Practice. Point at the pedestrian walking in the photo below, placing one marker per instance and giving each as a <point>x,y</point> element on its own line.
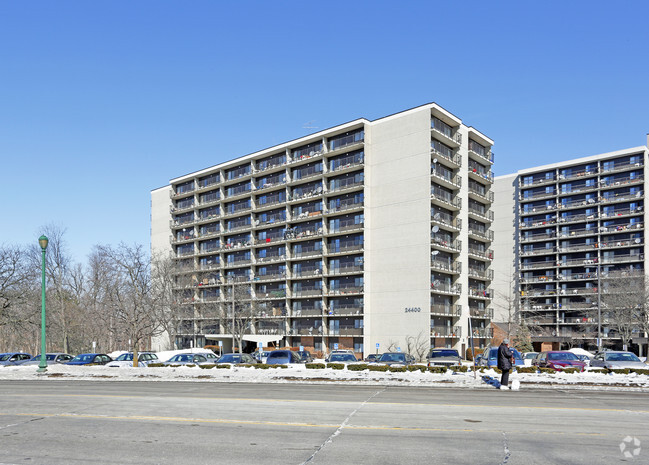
<point>505,360</point>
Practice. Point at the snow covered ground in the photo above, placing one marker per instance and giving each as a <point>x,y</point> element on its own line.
<point>300,374</point>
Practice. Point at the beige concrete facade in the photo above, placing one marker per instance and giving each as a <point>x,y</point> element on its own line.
<point>398,210</point>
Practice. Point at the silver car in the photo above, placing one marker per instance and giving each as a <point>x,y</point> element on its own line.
<point>126,360</point>
<point>187,359</point>
<point>617,359</point>
<point>50,359</point>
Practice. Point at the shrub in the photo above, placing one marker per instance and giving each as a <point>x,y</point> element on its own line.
<point>526,369</point>
<point>469,354</point>
<point>377,367</point>
<point>572,370</point>
<point>223,366</point>
<point>550,371</point>
<point>397,369</point>
<point>156,365</point>
<point>336,366</point>
<point>421,368</point>
<point>207,366</point>
<point>437,369</point>
<point>640,371</point>
<point>314,366</point>
<point>598,370</point>
<point>357,367</point>
<point>459,368</point>
<point>620,371</point>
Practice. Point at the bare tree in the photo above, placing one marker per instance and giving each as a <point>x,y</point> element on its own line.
<point>418,346</point>
<point>623,297</point>
<point>17,279</point>
<point>127,293</point>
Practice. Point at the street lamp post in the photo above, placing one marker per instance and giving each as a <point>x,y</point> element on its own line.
<point>42,366</point>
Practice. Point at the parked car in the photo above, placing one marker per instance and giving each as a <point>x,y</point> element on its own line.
<point>305,355</point>
<point>14,358</point>
<point>236,359</point>
<point>209,355</point>
<point>614,359</point>
<point>126,360</point>
<point>558,360</point>
<point>52,359</point>
<point>528,357</point>
<point>283,357</point>
<point>90,359</point>
<point>342,358</point>
<point>443,358</point>
<point>372,357</point>
<point>188,359</point>
<point>395,358</point>
<point>261,356</point>
<point>584,358</point>
<point>490,358</point>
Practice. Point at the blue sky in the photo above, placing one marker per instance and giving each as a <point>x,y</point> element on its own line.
<point>103,101</point>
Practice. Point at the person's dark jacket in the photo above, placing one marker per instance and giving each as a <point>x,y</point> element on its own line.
<point>504,357</point>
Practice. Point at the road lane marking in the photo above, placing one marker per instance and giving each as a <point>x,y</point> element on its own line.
<point>281,423</point>
<point>415,404</point>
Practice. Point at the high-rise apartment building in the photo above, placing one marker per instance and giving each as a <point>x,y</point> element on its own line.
<point>371,236</point>
<point>562,229</point>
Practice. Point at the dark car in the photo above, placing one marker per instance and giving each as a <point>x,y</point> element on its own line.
<point>283,357</point>
<point>558,360</point>
<point>490,358</point>
<point>50,359</point>
<point>395,358</point>
<point>305,355</point>
<point>14,358</point>
<point>372,357</point>
<point>90,359</point>
<point>237,359</point>
<point>342,358</point>
<point>443,357</point>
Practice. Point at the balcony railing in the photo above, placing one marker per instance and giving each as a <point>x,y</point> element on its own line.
<point>486,313</point>
<point>446,331</point>
<point>446,310</point>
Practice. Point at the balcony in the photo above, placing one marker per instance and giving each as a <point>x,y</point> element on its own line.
<point>447,157</point>
<point>527,196</point>
<point>446,265</point>
<point>477,190</point>
<point>345,206</point>
<point>480,214</point>
<point>481,253</point>
<point>445,133</point>
<point>346,164</point>
<point>270,277</point>
<point>579,174</point>
<point>537,223</point>
<point>345,290</point>
<point>478,293</point>
<point>621,166</point>
<point>445,179</point>
<point>446,220</point>
<point>451,246</point>
<point>485,234</point>
<point>577,218</point>
<point>344,249</point>
<point>480,173</point>
<point>446,310</point>
<point>538,181</point>
<point>454,332</point>
<point>623,258</point>
<point>578,233</point>
<point>176,194</point>
<point>307,312</point>
<point>306,293</point>
<point>484,313</point>
<point>345,331</point>
<point>446,199</point>
<point>348,310</point>
<point>623,181</point>
<point>622,212</point>
<point>537,279</point>
<point>538,237</point>
<point>483,155</point>
<point>345,269</point>
<point>480,273</point>
<point>537,265</point>
<point>306,273</point>
<point>445,288</point>
<point>483,333</point>
<point>271,259</point>
<point>538,251</point>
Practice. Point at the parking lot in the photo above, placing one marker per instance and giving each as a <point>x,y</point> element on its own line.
<point>67,422</point>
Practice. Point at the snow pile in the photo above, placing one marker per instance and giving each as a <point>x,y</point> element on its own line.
<point>300,374</point>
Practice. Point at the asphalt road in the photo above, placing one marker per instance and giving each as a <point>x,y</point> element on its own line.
<point>60,422</point>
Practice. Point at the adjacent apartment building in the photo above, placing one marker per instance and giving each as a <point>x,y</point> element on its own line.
<point>370,236</point>
<point>564,230</point>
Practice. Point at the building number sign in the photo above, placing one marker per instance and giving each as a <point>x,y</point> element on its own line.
<point>413,309</point>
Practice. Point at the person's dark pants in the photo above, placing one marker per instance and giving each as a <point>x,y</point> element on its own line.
<point>504,379</point>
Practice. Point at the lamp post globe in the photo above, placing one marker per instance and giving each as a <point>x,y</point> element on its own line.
<point>42,366</point>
